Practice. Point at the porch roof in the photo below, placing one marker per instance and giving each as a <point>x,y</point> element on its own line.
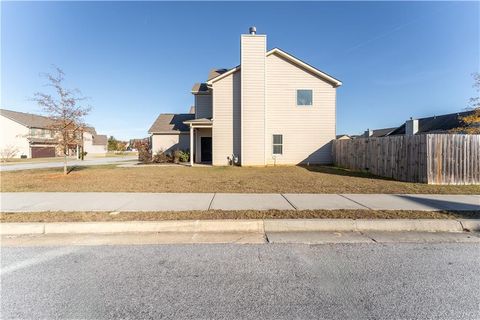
<point>199,122</point>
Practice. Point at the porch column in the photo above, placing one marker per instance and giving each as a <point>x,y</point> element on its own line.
<point>191,145</point>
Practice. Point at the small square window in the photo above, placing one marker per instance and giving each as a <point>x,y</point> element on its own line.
<point>277,144</point>
<point>304,97</point>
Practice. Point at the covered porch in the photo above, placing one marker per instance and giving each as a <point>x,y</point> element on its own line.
<point>200,140</point>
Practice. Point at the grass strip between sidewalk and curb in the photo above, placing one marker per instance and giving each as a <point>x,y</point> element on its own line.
<point>7,217</point>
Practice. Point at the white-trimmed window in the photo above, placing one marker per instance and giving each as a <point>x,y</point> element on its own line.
<point>304,97</point>
<point>277,146</point>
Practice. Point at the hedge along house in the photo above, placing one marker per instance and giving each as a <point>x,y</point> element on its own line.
<point>271,109</point>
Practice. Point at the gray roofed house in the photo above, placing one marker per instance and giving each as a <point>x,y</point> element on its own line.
<point>436,124</point>
<point>241,118</point>
<point>34,136</point>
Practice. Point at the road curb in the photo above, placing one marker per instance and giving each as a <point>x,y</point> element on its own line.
<point>425,225</point>
<point>298,225</point>
<point>132,226</point>
<point>22,228</point>
<point>470,224</point>
<point>258,226</point>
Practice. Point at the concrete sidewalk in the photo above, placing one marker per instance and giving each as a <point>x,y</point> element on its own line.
<point>106,201</point>
<point>71,162</point>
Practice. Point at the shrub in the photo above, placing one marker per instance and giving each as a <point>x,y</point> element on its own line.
<point>144,152</point>
<point>161,157</point>
<point>176,156</point>
<point>184,156</point>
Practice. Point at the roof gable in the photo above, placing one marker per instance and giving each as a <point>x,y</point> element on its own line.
<point>292,59</point>
<point>306,66</point>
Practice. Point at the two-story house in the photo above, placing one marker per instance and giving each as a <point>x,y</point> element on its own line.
<point>31,136</point>
<point>273,108</point>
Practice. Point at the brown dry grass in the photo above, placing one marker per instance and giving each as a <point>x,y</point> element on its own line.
<point>313,179</point>
<point>219,214</point>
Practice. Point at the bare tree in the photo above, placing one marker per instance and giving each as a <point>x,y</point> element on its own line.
<point>8,152</point>
<point>65,108</point>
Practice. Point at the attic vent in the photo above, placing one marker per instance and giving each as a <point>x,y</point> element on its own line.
<point>252,30</point>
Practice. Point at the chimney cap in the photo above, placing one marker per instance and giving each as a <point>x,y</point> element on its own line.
<point>252,30</point>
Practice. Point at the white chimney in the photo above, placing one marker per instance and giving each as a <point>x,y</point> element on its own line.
<point>368,133</point>
<point>411,127</point>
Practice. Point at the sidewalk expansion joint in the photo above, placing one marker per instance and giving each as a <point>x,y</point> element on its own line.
<point>360,204</point>
<point>369,237</point>
<point>211,201</point>
<point>295,208</point>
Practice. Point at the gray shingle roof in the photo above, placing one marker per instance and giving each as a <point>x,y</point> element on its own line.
<point>171,123</point>
<point>28,119</point>
<point>436,124</point>
<point>200,121</point>
<point>100,140</point>
<point>200,88</point>
<point>216,72</point>
<point>382,132</point>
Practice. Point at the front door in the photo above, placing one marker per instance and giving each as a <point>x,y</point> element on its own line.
<point>206,149</point>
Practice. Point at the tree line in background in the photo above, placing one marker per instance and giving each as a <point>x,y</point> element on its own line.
<point>116,145</point>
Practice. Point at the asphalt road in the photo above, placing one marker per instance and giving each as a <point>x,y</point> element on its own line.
<point>276,281</point>
<point>59,163</point>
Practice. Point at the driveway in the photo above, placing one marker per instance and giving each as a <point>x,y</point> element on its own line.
<point>59,164</point>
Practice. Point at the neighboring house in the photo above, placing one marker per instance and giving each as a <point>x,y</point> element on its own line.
<point>31,136</point>
<point>27,133</point>
<point>271,109</point>
<point>436,124</point>
<point>343,137</point>
<point>93,143</point>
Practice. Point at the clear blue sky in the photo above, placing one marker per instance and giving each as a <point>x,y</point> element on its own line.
<point>136,60</point>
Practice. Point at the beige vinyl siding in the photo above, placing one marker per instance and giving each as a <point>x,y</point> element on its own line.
<point>226,119</point>
<point>15,135</point>
<point>203,106</point>
<point>307,130</point>
<point>90,148</point>
<point>170,142</point>
<point>253,49</point>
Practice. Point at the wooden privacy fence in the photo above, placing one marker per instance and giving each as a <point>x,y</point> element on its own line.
<point>427,158</point>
